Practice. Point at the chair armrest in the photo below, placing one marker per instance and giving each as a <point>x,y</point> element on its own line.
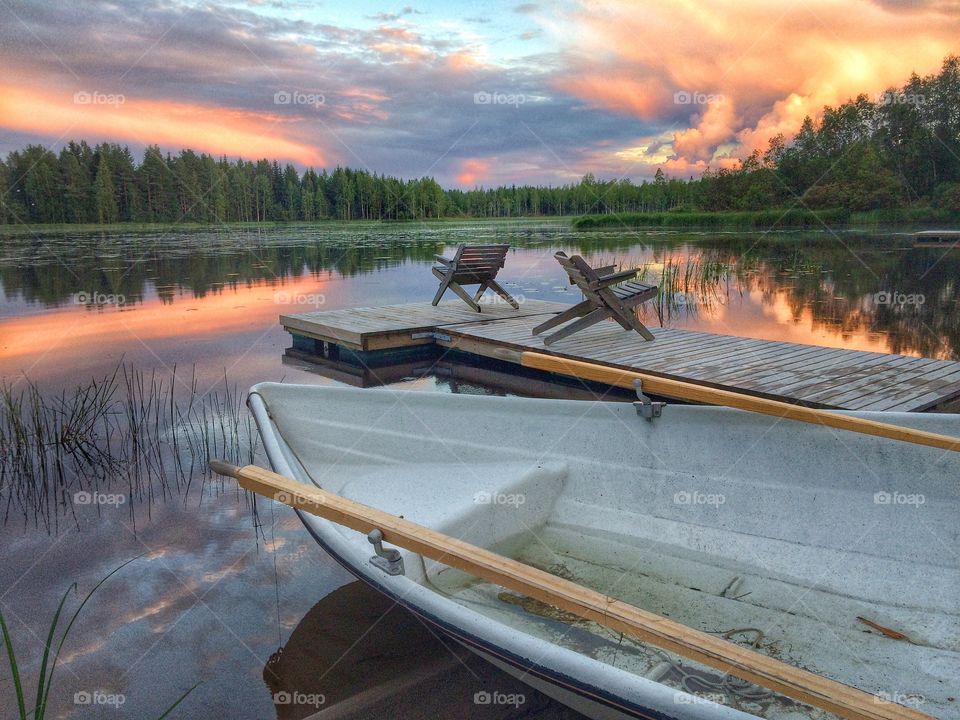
<point>606,270</point>
<point>614,278</point>
<point>440,258</point>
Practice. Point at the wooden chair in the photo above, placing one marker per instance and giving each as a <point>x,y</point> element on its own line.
<point>607,294</point>
<point>472,265</point>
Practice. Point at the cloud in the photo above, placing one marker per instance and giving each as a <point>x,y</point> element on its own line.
<point>214,129</point>
<point>773,64</point>
<point>715,126</point>
<point>473,172</point>
<point>599,81</point>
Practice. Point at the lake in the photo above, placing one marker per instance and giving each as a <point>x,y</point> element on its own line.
<point>215,589</point>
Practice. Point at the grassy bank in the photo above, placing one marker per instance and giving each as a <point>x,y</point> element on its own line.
<point>11,229</point>
<point>769,219</point>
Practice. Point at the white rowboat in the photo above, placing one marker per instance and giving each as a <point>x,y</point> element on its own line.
<point>828,550</point>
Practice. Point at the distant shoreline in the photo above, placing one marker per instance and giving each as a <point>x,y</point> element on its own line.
<point>759,220</point>
<point>777,218</point>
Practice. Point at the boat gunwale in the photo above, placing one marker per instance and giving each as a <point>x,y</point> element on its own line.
<point>514,646</point>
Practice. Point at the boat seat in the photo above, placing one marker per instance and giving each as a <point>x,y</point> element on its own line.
<point>486,506</point>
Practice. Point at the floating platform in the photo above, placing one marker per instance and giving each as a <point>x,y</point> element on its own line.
<point>803,374</point>
<point>937,238</point>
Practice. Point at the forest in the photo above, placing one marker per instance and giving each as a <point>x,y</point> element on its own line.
<point>898,150</point>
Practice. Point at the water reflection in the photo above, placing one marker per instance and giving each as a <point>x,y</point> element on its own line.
<point>854,290</point>
<point>213,597</point>
<point>357,654</point>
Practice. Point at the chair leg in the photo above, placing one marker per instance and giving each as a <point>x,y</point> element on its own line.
<point>495,286</point>
<point>444,282</point>
<point>576,311</point>
<point>635,324</point>
<point>581,324</point>
<point>464,295</point>
<point>623,323</point>
<point>480,291</point>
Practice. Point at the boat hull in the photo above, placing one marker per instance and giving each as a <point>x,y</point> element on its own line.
<point>597,689</point>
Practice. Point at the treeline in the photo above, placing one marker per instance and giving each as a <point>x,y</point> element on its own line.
<point>104,184</point>
<point>900,150</point>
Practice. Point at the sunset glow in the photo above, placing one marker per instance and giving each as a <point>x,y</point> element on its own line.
<point>618,88</point>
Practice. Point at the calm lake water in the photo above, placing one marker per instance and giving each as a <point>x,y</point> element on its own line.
<point>215,591</point>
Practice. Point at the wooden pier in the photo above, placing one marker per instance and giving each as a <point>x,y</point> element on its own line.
<point>949,239</point>
<point>806,374</point>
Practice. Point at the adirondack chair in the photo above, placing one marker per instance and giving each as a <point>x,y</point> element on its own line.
<point>472,265</point>
<point>607,294</point>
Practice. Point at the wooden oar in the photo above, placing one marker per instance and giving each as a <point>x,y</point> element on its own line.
<point>699,393</point>
<point>801,685</point>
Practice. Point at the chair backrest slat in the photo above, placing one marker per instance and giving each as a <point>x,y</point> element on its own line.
<point>479,261</point>
<point>473,265</point>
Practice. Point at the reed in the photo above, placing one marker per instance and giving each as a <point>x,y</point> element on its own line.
<point>745,219</point>
<point>130,428</point>
<point>688,284</point>
<point>50,656</point>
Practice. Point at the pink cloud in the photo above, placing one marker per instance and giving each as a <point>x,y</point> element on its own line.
<point>772,63</point>
<point>473,172</point>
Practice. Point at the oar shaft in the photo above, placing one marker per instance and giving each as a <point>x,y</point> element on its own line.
<point>619,616</point>
<point>714,396</point>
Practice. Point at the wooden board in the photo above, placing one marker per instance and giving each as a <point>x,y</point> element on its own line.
<point>392,326</point>
<point>807,374</point>
<point>815,376</point>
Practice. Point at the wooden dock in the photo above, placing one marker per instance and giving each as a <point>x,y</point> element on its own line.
<point>937,238</point>
<point>806,374</point>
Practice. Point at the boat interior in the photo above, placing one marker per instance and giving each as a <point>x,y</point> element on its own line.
<point>828,550</point>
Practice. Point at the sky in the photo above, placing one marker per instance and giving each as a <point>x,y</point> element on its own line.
<point>471,93</point>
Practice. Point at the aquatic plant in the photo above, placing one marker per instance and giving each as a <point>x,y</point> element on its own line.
<point>45,680</point>
<point>151,433</point>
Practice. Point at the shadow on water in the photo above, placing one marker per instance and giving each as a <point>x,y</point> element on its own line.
<point>357,654</point>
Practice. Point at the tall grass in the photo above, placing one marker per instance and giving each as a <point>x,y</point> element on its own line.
<point>38,710</point>
<point>910,216</point>
<point>753,220</point>
<point>688,284</point>
<point>130,430</point>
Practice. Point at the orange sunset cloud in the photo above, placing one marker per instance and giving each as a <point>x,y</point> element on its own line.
<point>734,74</point>
<point>473,171</point>
<point>217,130</point>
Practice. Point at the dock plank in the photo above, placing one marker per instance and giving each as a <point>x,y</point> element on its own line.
<point>793,372</point>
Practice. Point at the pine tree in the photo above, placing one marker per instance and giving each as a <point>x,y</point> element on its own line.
<point>106,200</point>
